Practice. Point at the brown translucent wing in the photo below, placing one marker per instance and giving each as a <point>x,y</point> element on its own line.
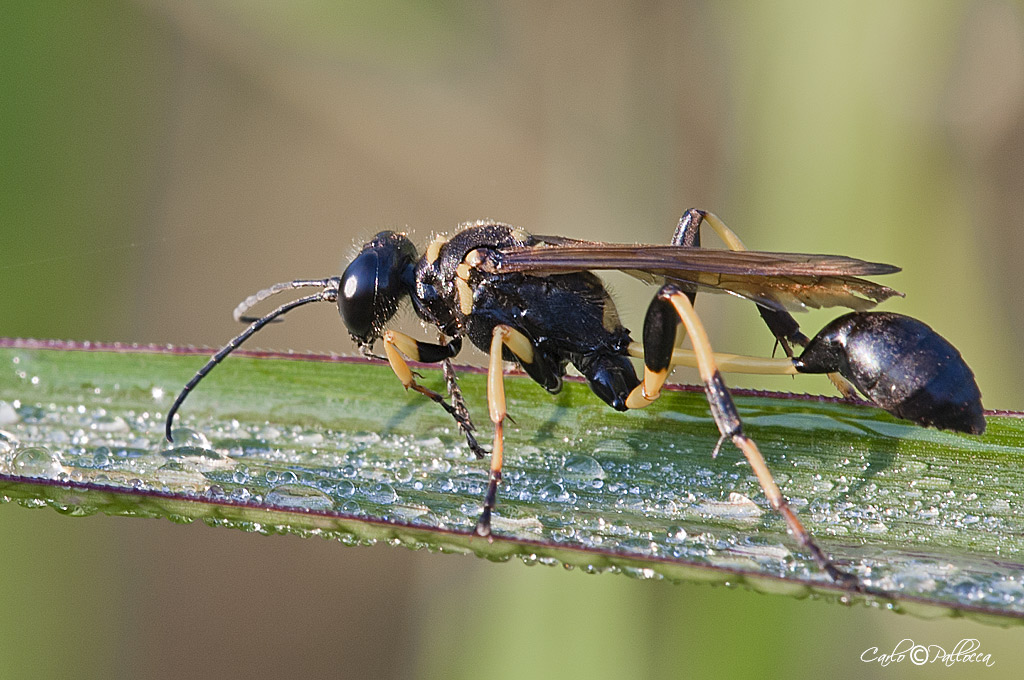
<point>777,280</point>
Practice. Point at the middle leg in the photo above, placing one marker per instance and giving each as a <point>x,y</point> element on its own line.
<point>520,346</point>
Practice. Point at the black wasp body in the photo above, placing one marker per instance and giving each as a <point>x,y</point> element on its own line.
<point>535,301</point>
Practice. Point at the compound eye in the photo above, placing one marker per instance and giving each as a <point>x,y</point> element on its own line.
<point>358,295</point>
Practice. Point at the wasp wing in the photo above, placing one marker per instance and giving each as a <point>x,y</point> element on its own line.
<point>793,281</point>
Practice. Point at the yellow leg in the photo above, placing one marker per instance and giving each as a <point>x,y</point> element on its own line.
<point>727,363</point>
<point>728,236</point>
<point>729,425</point>
<point>649,389</point>
<point>397,344</point>
<point>517,343</point>
<point>653,381</point>
<point>733,242</point>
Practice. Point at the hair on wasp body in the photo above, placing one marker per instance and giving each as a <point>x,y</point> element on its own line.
<point>537,301</point>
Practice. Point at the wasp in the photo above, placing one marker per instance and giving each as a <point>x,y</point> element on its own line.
<point>535,302</point>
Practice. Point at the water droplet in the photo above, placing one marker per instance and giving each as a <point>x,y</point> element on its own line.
<point>737,507</point>
<point>36,461</point>
<point>215,492</point>
<point>240,475</point>
<point>677,533</point>
<point>613,446</point>
<point>440,465</point>
<point>198,459</point>
<point>106,423</point>
<point>553,491</point>
<point>821,486</point>
<point>185,436</point>
<point>299,496</point>
<point>240,495</point>
<point>309,438</point>
<point>583,467</point>
<point>380,492</point>
<point>101,457</point>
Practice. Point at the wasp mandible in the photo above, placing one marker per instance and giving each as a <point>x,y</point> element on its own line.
<point>535,301</point>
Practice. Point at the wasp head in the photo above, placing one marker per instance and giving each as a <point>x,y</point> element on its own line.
<point>374,284</point>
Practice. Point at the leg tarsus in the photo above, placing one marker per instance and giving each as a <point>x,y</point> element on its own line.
<point>464,423</point>
<point>718,446</point>
<point>459,410</point>
<point>483,524</point>
<point>779,503</point>
<point>396,344</point>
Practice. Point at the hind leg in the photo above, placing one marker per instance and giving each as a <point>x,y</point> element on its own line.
<point>670,307</point>
<point>780,322</point>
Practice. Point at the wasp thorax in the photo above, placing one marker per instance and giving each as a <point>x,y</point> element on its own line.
<point>374,283</point>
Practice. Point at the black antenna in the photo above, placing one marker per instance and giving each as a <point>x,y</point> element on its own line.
<point>256,298</point>
<point>328,294</point>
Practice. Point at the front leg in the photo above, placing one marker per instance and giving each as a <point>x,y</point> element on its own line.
<point>396,344</point>
<point>458,403</point>
<point>670,307</point>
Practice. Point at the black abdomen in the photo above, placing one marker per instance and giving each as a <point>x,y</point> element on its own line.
<point>903,366</point>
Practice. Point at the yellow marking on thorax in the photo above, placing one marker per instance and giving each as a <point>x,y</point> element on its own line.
<point>434,249</point>
<point>462,286</point>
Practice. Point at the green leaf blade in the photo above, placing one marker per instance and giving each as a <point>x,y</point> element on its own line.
<point>336,448</point>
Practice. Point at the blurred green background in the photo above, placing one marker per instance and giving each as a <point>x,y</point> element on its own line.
<point>162,159</point>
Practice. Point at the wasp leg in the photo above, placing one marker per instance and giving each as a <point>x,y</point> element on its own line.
<point>396,344</point>
<point>517,343</point>
<point>461,412</point>
<point>727,363</point>
<point>741,363</point>
<point>687,234</point>
<point>780,322</point>
<point>672,305</point>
